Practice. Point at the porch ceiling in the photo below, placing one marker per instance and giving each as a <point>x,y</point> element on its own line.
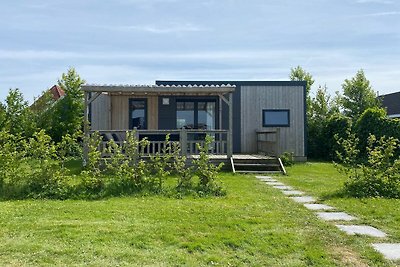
<point>161,89</point>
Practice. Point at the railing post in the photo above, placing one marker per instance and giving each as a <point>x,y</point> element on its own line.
<point>183,141</point>
<point>86,130</point>
<point>229,137</point>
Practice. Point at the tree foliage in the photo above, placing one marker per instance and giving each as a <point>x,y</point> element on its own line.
<point>358,96</point>
<point>15,115</point>
<point>299,74</point>
<point>65,116</point>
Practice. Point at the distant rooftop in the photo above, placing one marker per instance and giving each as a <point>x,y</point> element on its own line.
<point>392,104</point>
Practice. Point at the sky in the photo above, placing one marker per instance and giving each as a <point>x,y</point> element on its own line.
<point>140,41</point>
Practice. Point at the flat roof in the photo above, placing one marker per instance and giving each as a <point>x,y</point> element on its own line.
<point>161,89</point>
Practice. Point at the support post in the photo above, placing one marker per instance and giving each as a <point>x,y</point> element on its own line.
<point>183,141</point>
<point>229,137</point>
<point>86,129</point>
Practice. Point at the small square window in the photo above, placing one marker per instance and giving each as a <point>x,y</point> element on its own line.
<point>276,118</point>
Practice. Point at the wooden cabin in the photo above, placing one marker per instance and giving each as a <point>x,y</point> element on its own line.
<point>244,117</point>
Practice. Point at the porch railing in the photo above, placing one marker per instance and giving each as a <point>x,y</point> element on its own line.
<point>186,139</point>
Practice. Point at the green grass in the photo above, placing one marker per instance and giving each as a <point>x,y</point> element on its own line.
<point>254,225</point>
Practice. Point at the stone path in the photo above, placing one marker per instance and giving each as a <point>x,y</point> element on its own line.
<point>390,251</point>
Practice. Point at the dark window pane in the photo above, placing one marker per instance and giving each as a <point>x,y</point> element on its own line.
<point>206,115</point>
<point>138,114</point>
<point>185,115</point>
<point>275,118</point>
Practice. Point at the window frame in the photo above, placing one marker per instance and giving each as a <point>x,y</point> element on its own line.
<point>264,111</point>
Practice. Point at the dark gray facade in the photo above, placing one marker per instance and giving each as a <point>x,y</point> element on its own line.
<point>392,104</point>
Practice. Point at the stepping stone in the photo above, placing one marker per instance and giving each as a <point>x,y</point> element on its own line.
<point>313,206</point>
<point>335,216</point>
<point>304,199</point>
<point>292,193</point>
<point>283,187</point>
<point>268,180</point>
<point>391,251</point>
<point>275,183</point>
<point>263,177</point>
<point>361,230</point>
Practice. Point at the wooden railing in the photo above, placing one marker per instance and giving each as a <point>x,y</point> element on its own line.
<point>186,140</point>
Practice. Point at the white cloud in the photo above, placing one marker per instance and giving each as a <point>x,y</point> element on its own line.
<point>375,1</point>
<point>381,14</point>
<point>174,28</point>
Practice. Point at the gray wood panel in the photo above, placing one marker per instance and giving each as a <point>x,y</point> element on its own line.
<point>256,98</point>
<point>112,112</point>
<point>100,113</point>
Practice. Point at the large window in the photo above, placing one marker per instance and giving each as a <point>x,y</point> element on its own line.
<point>276,118</point>
<point>196,114</point>
<point>137,114</point>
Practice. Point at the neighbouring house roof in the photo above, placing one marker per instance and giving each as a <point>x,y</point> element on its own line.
<point>392,104</point>
<point>41,102</point>
<point>57,92</point>
<point>161,89</point>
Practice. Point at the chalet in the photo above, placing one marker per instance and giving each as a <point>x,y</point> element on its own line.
<point>244,117</point>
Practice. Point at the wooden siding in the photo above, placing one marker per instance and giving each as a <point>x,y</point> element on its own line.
<point>100,113</point>
<point>256,98</point>
<point>112,112</point>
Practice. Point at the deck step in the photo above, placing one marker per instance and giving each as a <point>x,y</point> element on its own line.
<point>259,171</point>
<point>260,165</point>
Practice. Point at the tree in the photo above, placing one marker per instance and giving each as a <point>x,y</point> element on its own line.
<point>298,74</point>
<point>322,109</point>
<point>15,115</point>
<point>358,96</point>
<point>67,113</point>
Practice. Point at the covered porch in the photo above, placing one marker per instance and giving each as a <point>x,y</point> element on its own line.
<point>186,113</point>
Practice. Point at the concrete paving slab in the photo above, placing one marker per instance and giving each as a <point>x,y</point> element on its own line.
<point>391,251</point>
<point>268,180</point>
<point>293,192</point>
<point>274,183</point>
<point>313,206</point>
<point>283,187</point>
<point>263,177</point>
<point>304,199</point>
<point>335,216</point>
<point>361,230</point>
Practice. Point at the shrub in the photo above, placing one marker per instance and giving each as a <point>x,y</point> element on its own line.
<point>287,158</point>
<point>160,164</point>
<point>379,176</point>
<point>206,171</point>
<point>185,174</point>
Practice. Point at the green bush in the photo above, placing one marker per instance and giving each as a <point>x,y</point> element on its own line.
<point>379,176</point>
<point>374,121</point>
<point>206,171</point>
<point>287,158</point>
<point>36,168</point>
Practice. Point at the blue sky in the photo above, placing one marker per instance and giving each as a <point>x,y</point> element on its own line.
<point>139,41</point>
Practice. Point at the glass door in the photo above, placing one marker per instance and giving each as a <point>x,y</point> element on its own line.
<point>196,114</point>
<point>138,113</point>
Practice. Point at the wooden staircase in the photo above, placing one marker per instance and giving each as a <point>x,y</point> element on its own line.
<point>257,165</point>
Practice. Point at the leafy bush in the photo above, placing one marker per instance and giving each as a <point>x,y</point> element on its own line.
<point>379,176</point>
<point>287,158</point>
<point>206,171</point>
<point>36,168</point>
<point>185,173</point>
<point>374,121</point>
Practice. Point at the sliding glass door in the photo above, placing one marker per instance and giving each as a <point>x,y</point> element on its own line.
<point>196,114</point>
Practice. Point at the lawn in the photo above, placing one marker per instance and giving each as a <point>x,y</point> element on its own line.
<point>323,181</point>
<point>254,225</point>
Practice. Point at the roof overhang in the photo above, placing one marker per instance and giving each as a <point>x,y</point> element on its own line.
<point>161,89</point>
